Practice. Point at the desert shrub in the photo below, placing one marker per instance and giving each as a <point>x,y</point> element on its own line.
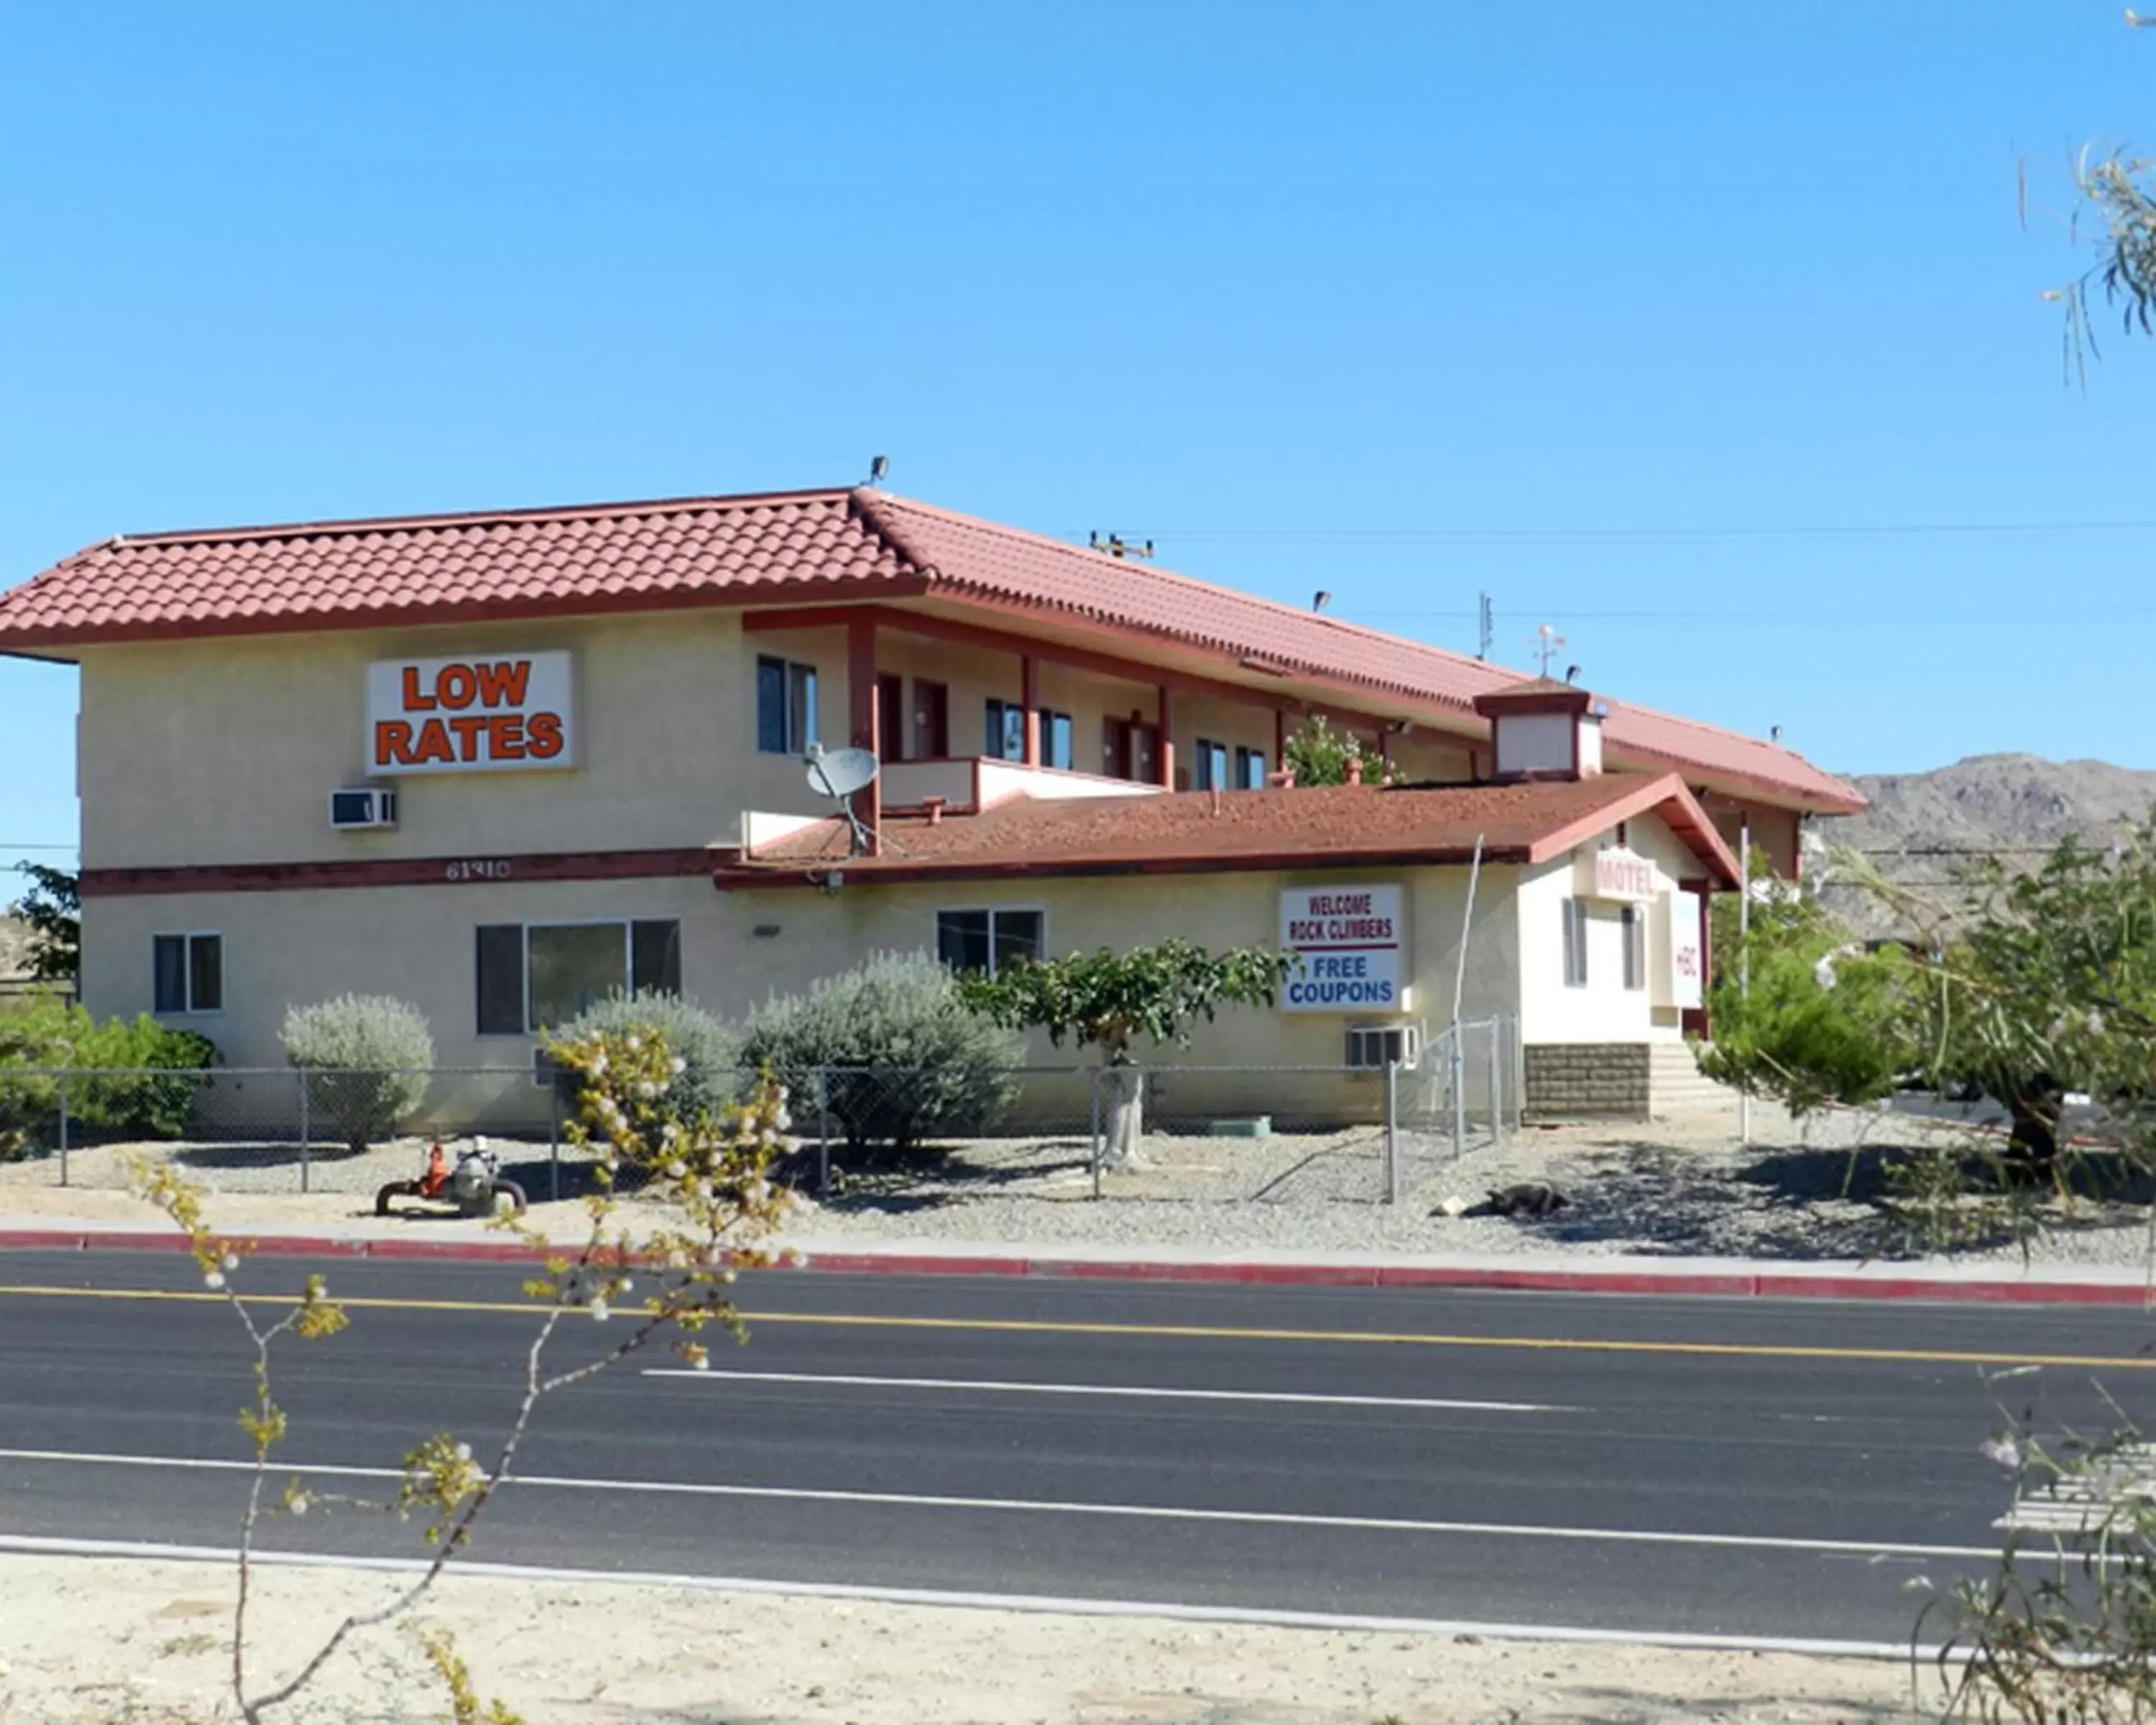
<point>709,1049</point>
<point>907,1060</point>
<point>129,1095</point>
<point>365,1056</point>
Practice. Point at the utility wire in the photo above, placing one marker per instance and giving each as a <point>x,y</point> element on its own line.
<point>1572,535</point>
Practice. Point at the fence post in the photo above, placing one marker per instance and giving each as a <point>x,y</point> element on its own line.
<point>1392,1131</point>
<point>1093,1085</point>
<point>306,1131</point>
<point>554,1137</point>
<point>1457,1063</point>
<point>64,1129</point>
<point>1496,1083</point>
<point>822,1134</point>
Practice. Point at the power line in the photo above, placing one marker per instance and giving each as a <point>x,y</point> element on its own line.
<point>4,846</point>
<point>1571,536</point>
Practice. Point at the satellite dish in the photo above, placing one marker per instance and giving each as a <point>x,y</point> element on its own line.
<point>842,771</point>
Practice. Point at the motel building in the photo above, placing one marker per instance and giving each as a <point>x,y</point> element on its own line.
<point>500,765</point>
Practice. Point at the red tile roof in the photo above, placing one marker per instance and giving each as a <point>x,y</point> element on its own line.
<point>773,548</point>
<point>1312,828</point>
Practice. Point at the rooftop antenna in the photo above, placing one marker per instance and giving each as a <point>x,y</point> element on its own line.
<point>1572,673</point>
<point>1321,600</point>
<point>1546,641</point>
<point>1117,547</point>
<point>1774,733</point>
<point>838,774</point>
<point>1487,633</point>
<point>879,465</point>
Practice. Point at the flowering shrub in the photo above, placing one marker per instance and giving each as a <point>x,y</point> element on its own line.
<point>366,1058</point>
<point>904,1057</point>
<point>712,1169</point>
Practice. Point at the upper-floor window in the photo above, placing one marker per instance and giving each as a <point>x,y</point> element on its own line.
<point>932,719</point>
<point>186,972</point>
<point>785,707</point>
<point>1212,765</point>
<point>1055,739</point>
<point>531,976</point>
<point>1575,943</point>
<point>988,939</point>
<point>1006,732</point>
<point>1250,769</point>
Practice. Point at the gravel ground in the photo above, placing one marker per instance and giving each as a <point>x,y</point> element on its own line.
<point>1814,1190</point>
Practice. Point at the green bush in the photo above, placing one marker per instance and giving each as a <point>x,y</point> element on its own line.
<point>367,1057</point>
<point>910,1060</point>
<point>710,1047</point>
<point>131,1101</point>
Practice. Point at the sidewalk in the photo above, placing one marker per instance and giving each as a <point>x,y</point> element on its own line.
<point>1960,1282</point>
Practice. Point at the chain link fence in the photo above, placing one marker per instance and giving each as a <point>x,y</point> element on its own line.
<point>867,1137</point>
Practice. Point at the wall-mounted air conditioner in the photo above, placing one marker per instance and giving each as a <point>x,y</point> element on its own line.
<point>362,810</point>
<point>1372,1047</point>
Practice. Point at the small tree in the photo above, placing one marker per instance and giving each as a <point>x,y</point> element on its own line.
<point>366,1058</point>
<point>1108,999</point>
<point>52,909</point>
<point>904,1056</point>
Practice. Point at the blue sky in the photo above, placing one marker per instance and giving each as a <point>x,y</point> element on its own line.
<point>1607,310</point>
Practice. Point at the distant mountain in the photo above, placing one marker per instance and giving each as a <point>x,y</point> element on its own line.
<point>2018,806</point>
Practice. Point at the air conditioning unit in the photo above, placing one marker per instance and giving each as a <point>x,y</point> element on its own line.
<point>363,809</point>
<point>1372,1047</point>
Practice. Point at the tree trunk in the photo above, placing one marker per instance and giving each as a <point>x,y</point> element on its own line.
<point>2033,1145</point>
<point>1123,1122</point>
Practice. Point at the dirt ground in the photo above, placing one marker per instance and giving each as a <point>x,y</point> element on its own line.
<point>87,1641</point>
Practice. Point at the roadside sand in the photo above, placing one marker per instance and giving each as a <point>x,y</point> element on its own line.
<point>84,1641</point>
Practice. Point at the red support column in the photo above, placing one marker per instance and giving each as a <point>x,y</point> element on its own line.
<point>867,732</point>
<point>1030,695</point>
<point>1165,752</point>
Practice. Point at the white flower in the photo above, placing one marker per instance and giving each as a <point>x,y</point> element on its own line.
<point>1823,971</point>
<point>674,1170</point>
<point>464,1452</point>
<point>702,1363</point>
<point>232,1261</point>
<point>782,1121</point>
<point>214,1279</point>
<point>599,1312</point>
<point>728,1277</point>
<point>300,1502</point>
<point>635,1042</point>
<point>598,1065</point>
<point>680,1065</point>
<point>798,1257</point>
<point>2004,1450</point>
<point>624,1286</point>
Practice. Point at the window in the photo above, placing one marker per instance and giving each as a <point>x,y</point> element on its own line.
<point>186,972</point>
<point>932,719</point>
<point>1055,739</point>
<point>1374,1047</point>
<point>989,940</point>
<point>1006,738</point>
<point>1212,765</point>
<point>531,978</point>
<point>1250,768</point>
<point>785,707</point>
<point>1575,943</point>
<point>1636,946</point>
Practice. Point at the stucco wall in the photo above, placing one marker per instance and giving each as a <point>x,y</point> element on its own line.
<point>1605,1011</point>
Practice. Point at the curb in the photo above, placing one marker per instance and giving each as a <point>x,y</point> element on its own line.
<point>1760,1285</point>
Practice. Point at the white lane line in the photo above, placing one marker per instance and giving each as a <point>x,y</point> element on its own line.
<point>1047,1506</point>
<point>32,1545</point>
<point>999,1388</point>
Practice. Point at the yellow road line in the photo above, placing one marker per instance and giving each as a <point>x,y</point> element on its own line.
<point>1045,1326</point>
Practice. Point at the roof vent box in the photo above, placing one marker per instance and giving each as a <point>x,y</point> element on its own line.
<point>362,809</point>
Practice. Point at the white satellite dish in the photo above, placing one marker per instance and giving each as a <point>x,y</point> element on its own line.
<point>842,771</point>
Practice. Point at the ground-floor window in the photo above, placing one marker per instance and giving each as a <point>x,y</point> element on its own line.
<point>532,976</point>
<point>1635,947</point>
<point>989,940</point>
<point>187,973</point>
<point>1575,943</point>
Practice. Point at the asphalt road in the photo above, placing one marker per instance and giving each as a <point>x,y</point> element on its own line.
<point>1748,1468</point>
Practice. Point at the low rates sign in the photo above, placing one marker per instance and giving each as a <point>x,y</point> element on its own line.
<point>496,713</point>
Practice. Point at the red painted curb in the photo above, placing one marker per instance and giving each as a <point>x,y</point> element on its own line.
<point>1676,1283</point>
